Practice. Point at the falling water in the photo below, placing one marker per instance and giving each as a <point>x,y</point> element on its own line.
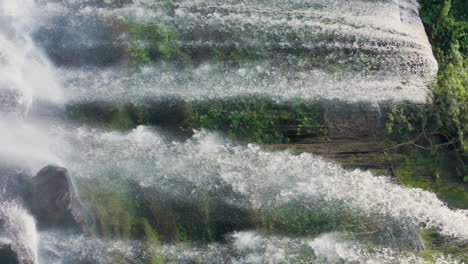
<point>60,52</point>
<point>265,179</point>
<point>318,49</point>
<point>25,73</point>
<point>18,228</point>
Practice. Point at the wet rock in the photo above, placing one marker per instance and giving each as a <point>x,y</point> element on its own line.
<point>81,41</point>
<point>395,236</point>
<point>8,255</point>
<point>400,237</point>
<point>54,201</point>
<point>14,182</point>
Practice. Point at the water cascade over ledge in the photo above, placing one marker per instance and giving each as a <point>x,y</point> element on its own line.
<point>159,194</point>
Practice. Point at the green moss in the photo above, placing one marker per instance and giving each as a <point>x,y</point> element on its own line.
<point>259,120</point>
<point>301,220</point>
<point>155,41</point>
<point>437,245</point>
<point>124,210</point>
<point>435,173</point>
<point>250,119</point>
<point>151,235</point>
<point>115,211</point>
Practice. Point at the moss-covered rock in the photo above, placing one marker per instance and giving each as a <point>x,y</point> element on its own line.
<point>437,245</point>
<point>248,119</point>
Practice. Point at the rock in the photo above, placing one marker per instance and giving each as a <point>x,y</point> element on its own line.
<point>80,41</point>
<point>8,255</point>
<point>394,235</point>
<point>400,237</point>
<point>53,200</point>
<point>14,182</point>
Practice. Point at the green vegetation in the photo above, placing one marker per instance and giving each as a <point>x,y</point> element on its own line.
<point>440,128</point>
<point>437,245</point>
<point>155,41</point>
<point>259,120</point>
<point>254,119</point>
<point>435,173</point>
<point>160,40</point>
<point>117,213</point>
<point>305,219</point>
<point>124,210</point>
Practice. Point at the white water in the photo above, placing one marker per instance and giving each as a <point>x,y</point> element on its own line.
<point>266,179</point>
<point>249,247</point>
<point>25,73</point>
<point>334,249</point>
<point>26,77</point>
<point>259,178</point>
<point>18,228</point>
<point>371,51</point>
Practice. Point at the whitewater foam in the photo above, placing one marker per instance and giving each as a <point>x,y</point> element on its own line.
<point>266,179</point>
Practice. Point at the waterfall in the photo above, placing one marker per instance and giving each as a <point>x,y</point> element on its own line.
<point>18,229</point>
<point>25,73</point>
<point>237,197</point>
<point>26,77</point>
<point>318,49</point>
<point>264,179</point>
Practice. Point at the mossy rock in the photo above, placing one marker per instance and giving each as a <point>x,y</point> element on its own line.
<point>250,119</point>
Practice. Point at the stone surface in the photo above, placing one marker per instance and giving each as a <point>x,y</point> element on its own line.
<point>371,51</point>
<point>53,199</point>
<point>8,255</point>
<point>14,181</point>
<point>393,235</point>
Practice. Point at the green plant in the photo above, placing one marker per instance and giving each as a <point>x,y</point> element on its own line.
<point>260,120</point>
<point>441,126</point>
<point>155,41</point>
<point>250,119</point>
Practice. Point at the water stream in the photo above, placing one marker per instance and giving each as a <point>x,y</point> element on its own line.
<point>45,64</point>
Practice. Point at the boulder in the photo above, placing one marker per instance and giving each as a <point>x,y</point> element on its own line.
<point>8,255</point>
<point>53,200</point>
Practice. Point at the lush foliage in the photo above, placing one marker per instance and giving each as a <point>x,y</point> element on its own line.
<point>251,119</point>
<point>259,120</point>
<point>300,219</point>
<point>123,209</point>
<point>440,127</point>
<point>437,245</point>
<point>155,41</point>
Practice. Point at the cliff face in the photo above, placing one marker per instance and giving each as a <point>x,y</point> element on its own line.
<point>351,51</point>
<point>335,50</point>
<point>222,131</point>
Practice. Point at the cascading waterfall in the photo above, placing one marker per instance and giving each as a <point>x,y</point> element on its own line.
<point>25,77</point>
<point>329,49</point>
<point>350,50</point>
<point>265,179</point>
<point>19,230</point>
<point>25,73</point>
